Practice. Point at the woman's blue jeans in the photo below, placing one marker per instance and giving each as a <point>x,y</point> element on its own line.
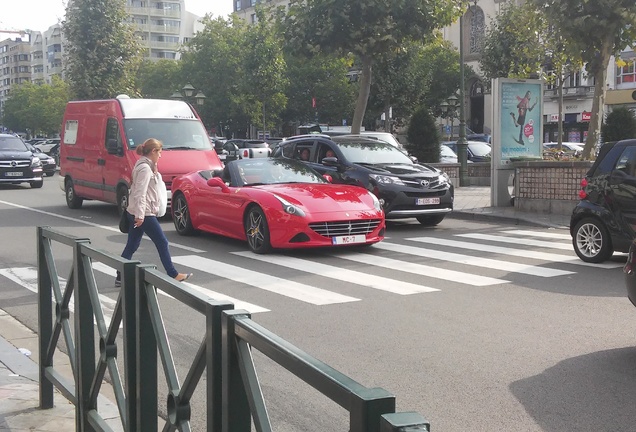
<point>153,230</point>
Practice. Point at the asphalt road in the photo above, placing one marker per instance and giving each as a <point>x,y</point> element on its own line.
<point>476,326</point>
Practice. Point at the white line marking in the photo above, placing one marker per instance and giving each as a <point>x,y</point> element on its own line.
<point>351,276</point>
<point>28,278</point>
<point>298,291</point>
<point>540,234</point>
<point>422,270</point>
<point>238,304</point>
<point>545,256</point>
<point>513,240</point>
<point>113,229</point>
<point>472,260</point>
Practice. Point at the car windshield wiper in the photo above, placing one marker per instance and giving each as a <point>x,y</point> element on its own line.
<point>180,148</point>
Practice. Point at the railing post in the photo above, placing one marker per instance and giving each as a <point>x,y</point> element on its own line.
<point>45,319</point>
<point>366,408</point>
<point>236,409</point>
<point>404,422</point>
<point>146,364</point>
<point>84,342</point>
<point>129,296</point>
<point>214,370</point>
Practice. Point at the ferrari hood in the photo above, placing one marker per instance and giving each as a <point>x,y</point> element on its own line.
<point>318,198</point>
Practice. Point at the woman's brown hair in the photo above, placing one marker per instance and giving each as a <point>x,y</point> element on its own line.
<point>148,146</point>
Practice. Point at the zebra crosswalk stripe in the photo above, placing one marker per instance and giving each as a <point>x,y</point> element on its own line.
<point>515,240</point>
<point>351,276</point>
<point>496,264</point>
<point>424,270</point>
<point>295,290</point>
<point>238,304</point>
<point>539,234</point>
<point>545,256</point>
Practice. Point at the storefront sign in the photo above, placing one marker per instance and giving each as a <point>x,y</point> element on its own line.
<point>586,116</point>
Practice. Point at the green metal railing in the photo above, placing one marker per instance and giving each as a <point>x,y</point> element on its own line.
<point>233,393</point>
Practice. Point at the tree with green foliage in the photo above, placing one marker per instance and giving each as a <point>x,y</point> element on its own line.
<point>423,136</point>
<point>102,52</point>
<point>523,43</point>
<point>211,62</point>
<point>369,30</point>
<point>597,29</point>
<point>619,124</point>
<point>159,79</point>
<point>38,108</point>
<point>263,81</point>
<point>322,78</point>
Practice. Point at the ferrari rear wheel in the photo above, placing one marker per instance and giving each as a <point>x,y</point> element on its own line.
<point>181,215</point>
<point>257,231</point>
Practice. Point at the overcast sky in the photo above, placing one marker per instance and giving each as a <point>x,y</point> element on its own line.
<point>39,15</point>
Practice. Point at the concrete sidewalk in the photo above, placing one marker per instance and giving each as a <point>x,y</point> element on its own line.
<point>19,394</point>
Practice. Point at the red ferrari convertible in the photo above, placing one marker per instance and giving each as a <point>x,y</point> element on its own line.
<point>275,203</point>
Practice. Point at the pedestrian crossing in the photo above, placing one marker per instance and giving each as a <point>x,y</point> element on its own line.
<point>412,266</point>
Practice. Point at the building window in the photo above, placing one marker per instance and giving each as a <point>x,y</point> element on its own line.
<point>626,74</point>
<point>253,19</point>
<point>238,5</point>
<point>252,2</point>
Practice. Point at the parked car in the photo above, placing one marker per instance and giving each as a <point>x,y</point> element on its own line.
<point>275,204</point>
<point>476,151</point>
<point>18,164</point>
<point>405,189</point>
<point>447,155</point>
<point>487,138</point>
<point>47,145</point>
<point>604,219</point>
<point>251,148</point>
<point>49,164</point>
<point>575,149</point>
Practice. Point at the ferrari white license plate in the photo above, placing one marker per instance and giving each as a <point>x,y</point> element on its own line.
<point>14,174</point>
<point>345,240</point>
<point>427,201</point>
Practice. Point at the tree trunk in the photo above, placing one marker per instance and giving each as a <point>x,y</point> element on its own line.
<point>363,95</point>
<point>560,136</point>
<point>387,113</point>
<point>598,103</point>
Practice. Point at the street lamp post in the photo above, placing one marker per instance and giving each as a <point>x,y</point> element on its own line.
<point>186,94</point>
<point>462,143</point>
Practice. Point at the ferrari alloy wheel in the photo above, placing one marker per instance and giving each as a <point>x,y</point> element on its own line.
<point>591,241</point>
<point>257,231</point>
<point>181,215</point>
<point>72,200</point>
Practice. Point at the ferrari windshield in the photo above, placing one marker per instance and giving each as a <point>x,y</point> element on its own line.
<point>372,152</point>
<point>254,172</point>
<point>181,134</point>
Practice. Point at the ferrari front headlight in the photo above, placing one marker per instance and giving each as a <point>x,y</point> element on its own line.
<point>290,208</point>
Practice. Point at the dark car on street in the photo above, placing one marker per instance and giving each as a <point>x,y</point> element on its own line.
<point>249,149</point>
<point>18,164</point>
<point>405,189</point>
<point>49,164</point>
<point>604,219</point>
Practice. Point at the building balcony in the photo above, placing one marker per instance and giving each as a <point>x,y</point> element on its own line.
<point>54,70</point>
<point>163,45</point>
<point>154,12</point>
<point>165,29</point>
<point>569,92</point>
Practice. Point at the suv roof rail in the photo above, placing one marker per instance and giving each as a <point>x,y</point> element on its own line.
<point>312,135</point>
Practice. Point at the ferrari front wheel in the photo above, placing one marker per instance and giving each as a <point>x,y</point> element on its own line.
<point>181,215</point>
<point>257,231</point>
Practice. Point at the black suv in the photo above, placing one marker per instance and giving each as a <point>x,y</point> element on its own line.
<point>17,163</point>
<point>605,218</point>
<point>405,189</point>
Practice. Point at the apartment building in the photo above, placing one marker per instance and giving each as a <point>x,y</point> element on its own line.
<point>15,65</point>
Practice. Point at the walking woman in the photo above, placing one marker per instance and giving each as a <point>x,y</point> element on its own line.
<point>143,207</point>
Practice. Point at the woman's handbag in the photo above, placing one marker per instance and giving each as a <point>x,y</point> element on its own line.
<point>124,223</point>
<point>163,196</point>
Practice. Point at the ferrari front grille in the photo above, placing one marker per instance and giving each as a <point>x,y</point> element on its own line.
<point>344,228</point>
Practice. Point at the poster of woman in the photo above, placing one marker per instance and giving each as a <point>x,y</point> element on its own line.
<point>520,121</point>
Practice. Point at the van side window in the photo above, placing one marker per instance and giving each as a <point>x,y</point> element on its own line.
<point>112,132</point>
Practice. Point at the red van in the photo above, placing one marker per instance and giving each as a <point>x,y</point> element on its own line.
<point>99,137</point>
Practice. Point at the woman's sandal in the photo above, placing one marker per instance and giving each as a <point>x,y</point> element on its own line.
<point>182,277</point>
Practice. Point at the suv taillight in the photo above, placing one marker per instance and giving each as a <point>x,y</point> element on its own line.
<point>246,153</point>
<point>582,193</point>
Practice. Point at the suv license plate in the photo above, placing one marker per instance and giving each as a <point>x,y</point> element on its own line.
<point>344,240</point>
<point>14,174</point>
<point>427,201</point>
